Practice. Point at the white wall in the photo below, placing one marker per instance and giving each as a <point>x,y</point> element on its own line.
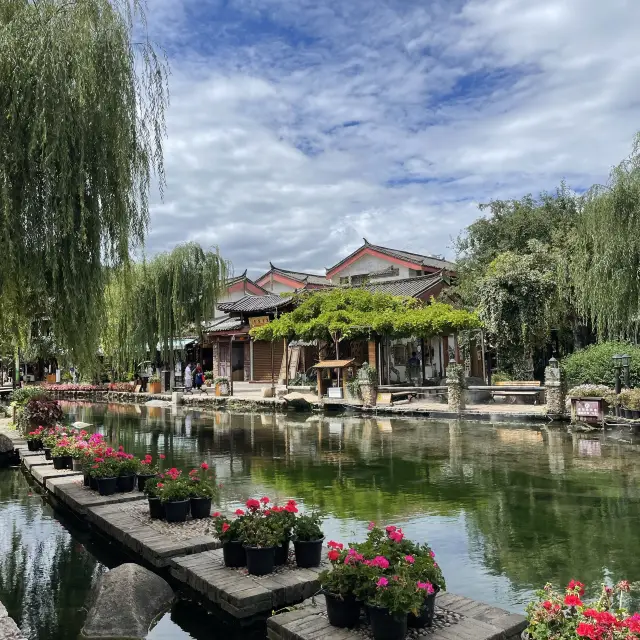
<point>229,297</point>
<point>367,264</point>
<point>277,287</point>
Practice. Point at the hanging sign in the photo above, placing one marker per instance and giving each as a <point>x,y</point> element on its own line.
<point>258,321</point>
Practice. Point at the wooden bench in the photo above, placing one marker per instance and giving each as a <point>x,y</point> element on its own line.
<point>514,395</point>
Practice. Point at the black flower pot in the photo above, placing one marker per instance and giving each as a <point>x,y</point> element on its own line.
<point>425,619</point>
<point>635,414</point>
<point>342,612</point>
<point>282,553</point>
<point>628,413</point>
<point>177,510</point>
<point>47,453</point>
<point>233,554</point>
<point>77,464</point>
<point>308,553</point>
<point>31,445</point>
<point>260,561</point>
<point>62,462</point>
<point>37,444</point>
<point>156,509</point>
<point>387,626</point>
<point>87,480</point>
<point>200,508</point>
<point>125,484</point>
<point>107,486</point>
<point>93,483</point>
<point>142,479</point>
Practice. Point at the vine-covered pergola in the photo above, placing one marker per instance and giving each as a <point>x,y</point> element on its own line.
<point>357,314</point>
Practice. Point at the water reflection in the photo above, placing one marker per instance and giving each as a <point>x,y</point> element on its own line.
<point>506,508</point>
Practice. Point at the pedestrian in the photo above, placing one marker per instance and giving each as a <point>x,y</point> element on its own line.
<point>188,378</point>
<point>199,377</point>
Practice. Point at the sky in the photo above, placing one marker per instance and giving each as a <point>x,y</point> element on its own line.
<point>298,127</point>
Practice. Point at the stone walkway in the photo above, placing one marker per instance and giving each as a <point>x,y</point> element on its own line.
<point>8,628</point>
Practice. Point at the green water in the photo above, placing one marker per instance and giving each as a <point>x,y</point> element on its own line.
<point>506,509</point>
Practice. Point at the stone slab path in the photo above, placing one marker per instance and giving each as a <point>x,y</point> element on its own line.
<point>8,628</point>
<point>240,594</point>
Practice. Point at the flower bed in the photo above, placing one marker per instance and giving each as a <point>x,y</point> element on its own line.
<point>395,579</point>
<point>565,615</point>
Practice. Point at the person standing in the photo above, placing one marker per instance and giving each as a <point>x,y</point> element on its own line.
<point>188,378</point>
<point>199,377</point>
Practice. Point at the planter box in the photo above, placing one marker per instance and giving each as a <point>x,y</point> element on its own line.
<point>155,387</point>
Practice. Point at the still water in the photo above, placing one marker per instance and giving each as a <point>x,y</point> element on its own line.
<point>506,508</point>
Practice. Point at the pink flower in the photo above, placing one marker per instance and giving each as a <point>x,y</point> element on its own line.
<point>410,559</point>
<point>382,582</point>
<point>390,529</point>
<point>426,586</point>
<point>264,500</point>
<point>204,466</point>
<point>162,456</point>
<point>217,514</point>
<point>159,485</point>
<point>371,526</point>
<point>433,555</point>
<point>396,536</point>
<point>381,562</point>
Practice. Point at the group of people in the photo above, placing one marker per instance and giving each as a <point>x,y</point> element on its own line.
<point>193,377</point>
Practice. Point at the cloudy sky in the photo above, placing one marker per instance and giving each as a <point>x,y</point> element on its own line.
<point>297,127</point>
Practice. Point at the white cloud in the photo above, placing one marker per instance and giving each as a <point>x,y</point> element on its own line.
<point>447,105</point>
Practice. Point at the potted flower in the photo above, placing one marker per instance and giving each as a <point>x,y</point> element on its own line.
<point>155,385</point>
<point>229,532</point>
<point>203,490</point>
<point>50,436</point>
<point>62,453</point>
<point>394,597</point>
<point>153,490</point>
<point>175,495</point>
<point>283,520</point>
<point>34,439</point>
<point>105,472</point>
<point>146,471</point>
<point>208,378</point>
<point>307,540</point>
<point>339,586</point>
<point>221,385</point>
<point>128,467</point>
<point>427,576</point>
<point>260,535</point>
<point>565,615</point>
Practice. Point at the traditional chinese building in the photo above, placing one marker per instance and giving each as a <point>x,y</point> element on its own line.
<point>283,281</point>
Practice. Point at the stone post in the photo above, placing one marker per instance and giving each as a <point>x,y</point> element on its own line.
<point>455,382</point>
<point>555,392</point>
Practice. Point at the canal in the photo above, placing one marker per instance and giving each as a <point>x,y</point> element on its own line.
<point>506,508</point>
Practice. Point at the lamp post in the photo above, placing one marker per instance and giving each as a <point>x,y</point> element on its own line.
<point>553,363</point>
<point>617,364</point>
<point>626,361</point>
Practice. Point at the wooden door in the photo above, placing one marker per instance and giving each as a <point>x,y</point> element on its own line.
<point>225,356</point>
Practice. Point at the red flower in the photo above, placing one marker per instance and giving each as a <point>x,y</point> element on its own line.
<point>585,630</point>
<point>159,485</point>
<point>547,605</point>
<point>204,466</point>
<point>162,456</point>
<point>239,512</point>
<point>252,504</point>
<point>225,527</point>
<point>291,508</point>
<point>217,514</point>
<point>333,555</point>
<point>267,512</point>
<point>575,584</point>
<point>264,500</point>
<point>335,545</point>
<point>572,600</point>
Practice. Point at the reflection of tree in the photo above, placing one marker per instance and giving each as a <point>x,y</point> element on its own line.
<point>45,576</point>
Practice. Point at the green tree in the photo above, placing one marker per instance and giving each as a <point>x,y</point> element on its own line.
<point>81,126</point>
<point>605,252</point>
<point>160,300</point>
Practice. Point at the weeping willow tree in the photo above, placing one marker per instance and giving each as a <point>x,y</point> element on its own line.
<point>81,128</point>
<point>159,301</point>
<point>604,258</point>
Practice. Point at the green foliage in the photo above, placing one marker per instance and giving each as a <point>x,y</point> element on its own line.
<point>41,412</point>
<point>174,489</point>
<point>605,252</point>
<point>594,364</point>
<point>82,101</point>
<point>160,300</point>
<point>307,527</point>
<point>500,376</point>
<point>356,314</point>
<point>22,395</point>
<point>257,530</point>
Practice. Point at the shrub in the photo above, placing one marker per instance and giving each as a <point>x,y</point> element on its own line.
<point>594,364</point>
<point>500,376</point>
<point>307,528</point>
<point>41,412</point>
<point>21,396</point>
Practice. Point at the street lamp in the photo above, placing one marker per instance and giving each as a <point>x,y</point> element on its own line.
<point>617,364</point>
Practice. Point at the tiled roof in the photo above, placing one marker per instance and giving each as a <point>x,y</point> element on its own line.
<point>300,276</point>
<point>417,258</point>
<point>241,278</point>
<point>411,287</point>
<point>254,303</point>
<point>224,324</point>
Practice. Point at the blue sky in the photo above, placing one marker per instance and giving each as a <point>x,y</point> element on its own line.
<point>297,127</point>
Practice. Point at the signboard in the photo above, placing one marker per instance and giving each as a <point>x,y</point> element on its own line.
<point>258,321</point>
<point>588,408</point>
<point>334,392</point>
<point>383,398</point>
